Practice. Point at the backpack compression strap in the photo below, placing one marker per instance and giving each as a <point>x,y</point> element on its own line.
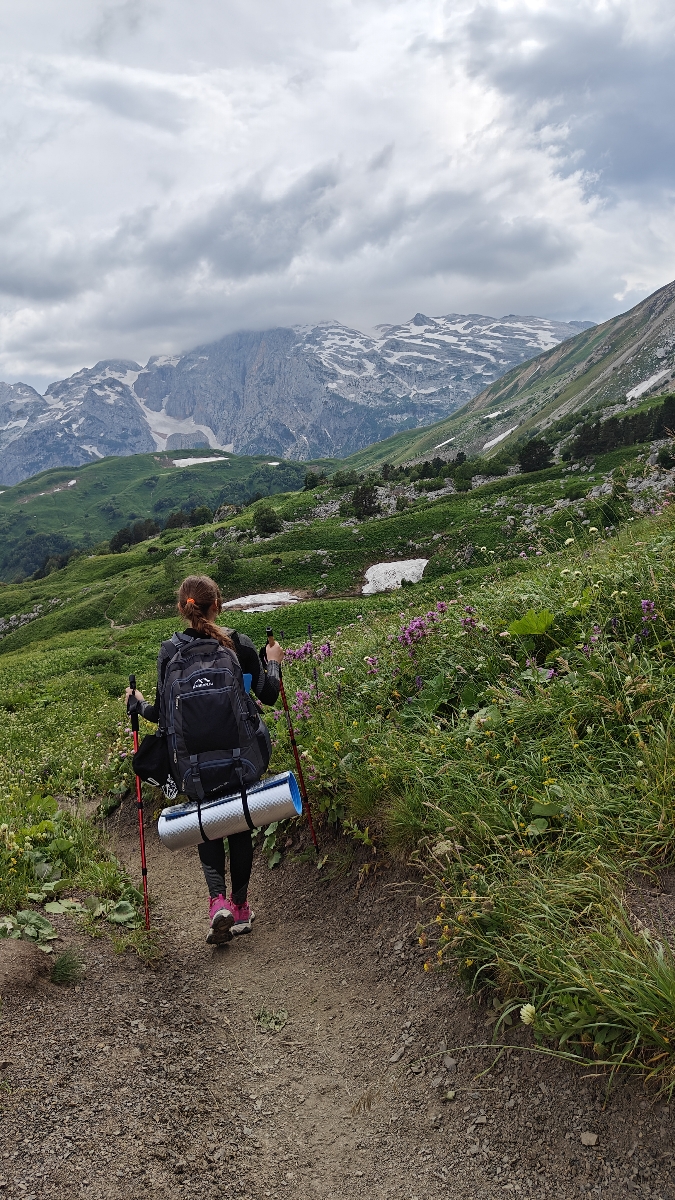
<point>242,788</point>
<point>196,779</point>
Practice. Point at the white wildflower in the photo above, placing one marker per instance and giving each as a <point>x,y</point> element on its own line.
<point>527,1014</point>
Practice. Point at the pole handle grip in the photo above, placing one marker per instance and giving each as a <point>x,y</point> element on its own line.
<point>132,706</point>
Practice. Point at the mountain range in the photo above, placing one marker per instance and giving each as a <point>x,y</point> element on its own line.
<point>296,393</point>
<point>606,370</point>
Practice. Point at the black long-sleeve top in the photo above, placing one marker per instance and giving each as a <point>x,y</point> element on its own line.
<point>265,678</point>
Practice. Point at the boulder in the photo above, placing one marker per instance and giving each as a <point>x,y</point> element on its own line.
<point>21,966</point>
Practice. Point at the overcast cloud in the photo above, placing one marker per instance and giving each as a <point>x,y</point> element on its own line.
<point>174,171</point>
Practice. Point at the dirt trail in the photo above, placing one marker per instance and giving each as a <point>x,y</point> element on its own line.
<point>156,1082</point>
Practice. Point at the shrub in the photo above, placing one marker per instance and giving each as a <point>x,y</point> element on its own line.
<point>201,515</point>
<point>267,521</point>
<point>342,479</point>
<point>177,520</point>
<point>364,501</point>
<point>312,480</point>
<point>130,535</point>
<point>226,564</point>
<point>535,455</point>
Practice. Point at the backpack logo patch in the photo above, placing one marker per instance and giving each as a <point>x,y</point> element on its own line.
<point>202,683</point>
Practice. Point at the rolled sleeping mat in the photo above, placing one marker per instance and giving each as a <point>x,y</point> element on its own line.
<point>273,800</point>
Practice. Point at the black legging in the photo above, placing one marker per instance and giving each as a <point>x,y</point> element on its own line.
<point>212,855</point>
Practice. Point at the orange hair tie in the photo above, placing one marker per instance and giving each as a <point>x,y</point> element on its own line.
<point>190,600</point>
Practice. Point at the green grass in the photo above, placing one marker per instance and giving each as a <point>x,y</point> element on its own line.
<point>526,767</point>
<point>68,968</point>
<point>531,800</point>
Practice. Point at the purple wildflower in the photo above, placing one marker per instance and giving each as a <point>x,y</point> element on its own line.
<point>301,705</point>
<point>441,606</point>
<point>372,665</point>
<point>325,650</point>
<point>419,683</point>
<point>586,650</point>
<point>413,632</point>
<point>648,610</point>
<point>469,623</point>
<point>302,652</point>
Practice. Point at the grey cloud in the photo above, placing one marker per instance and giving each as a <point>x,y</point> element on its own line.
<point>382,160</point>
<point>32,269</point>
<point>136,102</point>
<point>322,164</point>
<point>116,20</point>
<point>613,93</point>
<point>247,233</point>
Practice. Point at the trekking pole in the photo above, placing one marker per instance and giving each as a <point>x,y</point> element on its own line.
<point>296,755</point>
<point>132,709</point>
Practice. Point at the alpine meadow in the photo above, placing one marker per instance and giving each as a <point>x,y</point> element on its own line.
<point>504,724</point>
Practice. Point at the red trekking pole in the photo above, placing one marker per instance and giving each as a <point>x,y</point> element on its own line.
<point>132,709</point>
<point>296,755</point>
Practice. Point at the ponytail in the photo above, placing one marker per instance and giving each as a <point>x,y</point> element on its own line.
<point>197,595</point>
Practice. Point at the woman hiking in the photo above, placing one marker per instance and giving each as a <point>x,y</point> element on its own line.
<point>199,603</point>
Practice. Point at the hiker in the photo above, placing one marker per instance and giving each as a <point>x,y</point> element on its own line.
<point>199,603</point>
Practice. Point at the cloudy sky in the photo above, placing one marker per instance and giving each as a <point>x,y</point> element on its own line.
<point>177,169</point>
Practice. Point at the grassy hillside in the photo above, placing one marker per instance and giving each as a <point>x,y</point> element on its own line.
<point>507,724</point>
<point>322,552</point>
<point>50,513</point>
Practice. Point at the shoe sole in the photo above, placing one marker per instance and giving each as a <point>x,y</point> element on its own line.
<point>243,927</point>
<point>221,928</point>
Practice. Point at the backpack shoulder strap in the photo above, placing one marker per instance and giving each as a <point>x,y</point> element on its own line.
<point>247,654</point>
<point>168,651</point>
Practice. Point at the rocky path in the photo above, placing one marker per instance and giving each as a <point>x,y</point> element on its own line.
<point>158,1082</point>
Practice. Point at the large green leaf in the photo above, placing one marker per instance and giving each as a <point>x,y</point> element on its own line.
<point>485,718</point>
<point>532,623</point>
<point>123,913</point>
<point>469,696</point>
<point>536,827</point>
<point>541,809</point>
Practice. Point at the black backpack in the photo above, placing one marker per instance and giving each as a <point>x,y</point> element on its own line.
<point>217,740</point>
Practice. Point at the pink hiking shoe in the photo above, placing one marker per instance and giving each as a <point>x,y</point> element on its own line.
<point>222,920</point>
<point>243,918</point>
